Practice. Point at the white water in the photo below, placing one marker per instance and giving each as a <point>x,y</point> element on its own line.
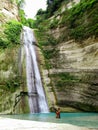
<point>37,101</point>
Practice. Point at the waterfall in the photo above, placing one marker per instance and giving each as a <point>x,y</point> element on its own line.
<point>36,95</point>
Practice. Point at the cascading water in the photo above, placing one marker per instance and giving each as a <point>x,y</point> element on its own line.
<point>37,100</point>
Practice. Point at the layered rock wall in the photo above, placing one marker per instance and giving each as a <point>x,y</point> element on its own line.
<point>72,74</point>
<point>8,11</point>
<point>74,77</point>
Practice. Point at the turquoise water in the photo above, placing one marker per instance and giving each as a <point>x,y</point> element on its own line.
<point>89,120</point>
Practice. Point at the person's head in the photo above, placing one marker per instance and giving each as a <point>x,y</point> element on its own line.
<point>58,108</point>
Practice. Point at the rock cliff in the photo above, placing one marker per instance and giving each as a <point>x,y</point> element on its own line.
<point>74,76</point>
<point>10,91</point>
<point>8,11</point>
<point>71,79</point>
<point>69,67</point>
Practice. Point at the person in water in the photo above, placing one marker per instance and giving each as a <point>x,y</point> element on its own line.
<point>58,113</point>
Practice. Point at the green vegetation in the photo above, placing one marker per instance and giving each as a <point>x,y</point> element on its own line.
<point>22,17</point>
<point>12,1</point>
<point>80,21</point>
<point>53,5</point>
<point>63,79</point>
<point>54,23</point>
<point>48,54</point>
<point>19,3</point>
<point>3,43</point>
<point>10,84</point>
<point>30,22</point>
<point>47,40</point>
<point>12,32</point>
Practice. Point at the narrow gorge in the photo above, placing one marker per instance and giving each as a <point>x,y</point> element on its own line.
<point>65,51</point>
